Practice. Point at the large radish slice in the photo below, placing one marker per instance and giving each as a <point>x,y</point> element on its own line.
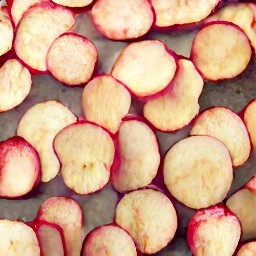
<point>89,169</point>
<point>248,249</point>
<point>67,214</point>
<point>216,122</point>
<point>149,217</point>
<point>39,125</point>
<point>221,50</point>
<point>198,171</point>
<point>73,3</point>
<point>177,107</point>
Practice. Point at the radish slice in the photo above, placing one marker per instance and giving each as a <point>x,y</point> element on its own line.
<point>89,170</point>
<point>73,3</point>
<point>248,249</point>
<point>108,240</point>
<point>251,184</point>
<point>249,119</point>
<point>19,167</point>
<point>145,67</point>
<point>15,84</point>
<point>177,107</point>
<point>17,239</point>
<point>39,125</point>
<point>123,19</point>
<point>221,50</point>
<point>32,44</point>
<point>139,156</point>
<point>216,122</point>
<point>105,102</point>
<point>200,164</point>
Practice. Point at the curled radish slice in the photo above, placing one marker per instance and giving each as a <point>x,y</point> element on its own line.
<point>73,3</point>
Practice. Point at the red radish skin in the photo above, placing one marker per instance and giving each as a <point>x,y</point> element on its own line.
<point>73,3</point>
<point>251,184</point>
<point>248,249</point>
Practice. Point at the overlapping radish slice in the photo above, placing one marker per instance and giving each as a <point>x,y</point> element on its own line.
<point>221,50</point>
<point>15,84</point>
<point>248,249</point>
<point>67,214</point>
<point>39,126</point>
<point>149,217</point>
<point>73,3</point>
<point>139,156</point>
<point>177,107</point>
<point>198,171</point>
<point>31,43</point>
<point>105,102</point>
<point>88,170</point>
<point>145,67</point>
<point>108,240</point>
<point>19,167</point>
<point>123,19</point>
<point>251,184</point>
<point>216,122</point>
<point>71,59</point>
<point>17,239</point>
<point>213,231</point>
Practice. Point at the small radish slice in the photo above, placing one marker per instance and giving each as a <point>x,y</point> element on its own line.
<point>17,239</point>
<point>176,12</point>
<point>105,102</point>
<point>145,67</point>
<point>177,107</point>
<point>221,50</point>
<point>248,249</point>
<point>15,84</point>
<point>251,184</point>
<point>198,171</point>
<point>32,44</point>
<point>67,214</point>
<point>216,122</point>
<point>213,231</point>
<point>139,156</point>
<point>39,125</point>
<point>108,240</point>
<point>89,169</point>
<point>19,167</point>
<point>123,19</point>
<point>73,3</point>
<point>71,59</point>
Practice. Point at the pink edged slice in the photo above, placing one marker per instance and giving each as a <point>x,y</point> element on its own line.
<point>251,184</point>
<point>248,249</point>
<point>73,3</point>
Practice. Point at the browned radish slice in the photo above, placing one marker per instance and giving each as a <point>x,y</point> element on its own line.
<point>19,167</point>
<point>248,249</point>
<point>31,44</point>
<point>221,50</point>
<point>249,119</point>
<point>15,84</point>
<point>71,59</point>
<point>145,67</point>
<point>73,3</point>
<point>198,171</point>
<point>108,240</point>
<point>149,217</point>
<point>105,102</point>
<point>139,156</point>
<point>123,19</point>
<point>67,214</point>
<point>178,12</point>
<point>216,122</point>
<point>251,184</point>
<point>177,107</point>
<point>17,239</point>
<point>89,170</point>
<point>39,125</point>
<point>213,231</point>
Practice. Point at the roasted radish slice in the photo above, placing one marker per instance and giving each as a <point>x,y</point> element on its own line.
<point>17,239</point>
<point>176,12</point>
<point>248,249</point>
<point>213,231</point>
<point>89,169</point>
<point>39,125</point>
<point>123,19</point>
<point>149,217</point>
<point>216,122</point>
<point>145,67</point>
<point>67,214</point>
<point>200,164</point>
<point>105,102</point>
<point>108,240</point>
<point>73,3</point>
<point>71,59</point>
<point>32,44</point>
<point>221,50</point>
<point>138,155</point>
<point>15,84</point>
<point>177,107</point>
<point>250,120</point>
